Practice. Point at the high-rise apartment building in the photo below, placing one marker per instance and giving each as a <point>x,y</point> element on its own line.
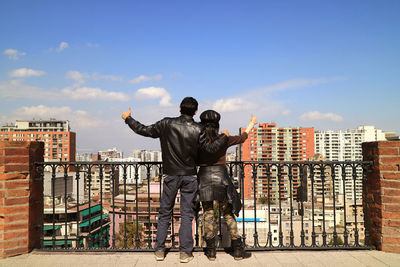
<point>346,146</point>
<point>59,141</point>
<point>110,153</point>
<point>268,142</point>
<point>147,155</point>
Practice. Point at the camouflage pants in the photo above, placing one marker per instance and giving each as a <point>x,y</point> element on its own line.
<point>210,222</point>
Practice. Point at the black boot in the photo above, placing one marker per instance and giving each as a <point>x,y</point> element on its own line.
<point>238,249</point>
<point>211,252</point>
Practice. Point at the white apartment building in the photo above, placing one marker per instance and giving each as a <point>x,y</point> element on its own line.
<point>346,146</point>
<point>111,153</point>
<point>147,155</point>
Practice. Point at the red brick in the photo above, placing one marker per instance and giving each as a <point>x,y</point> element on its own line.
<point>391,215</point>
<point>390,184</point>
<point>386,199</point>
<point>390,248</point>
<point>392,208</point>
<point>15,243</point>
<point>388,151</point>
<point>391,223</point>
<point>13,176</point>
<point>11,144</point>
<point>391,176</point>
<point>22,184</point>
<point>16,201</point>
<point>391,231</point>
<point>390,160</point>
<point>16,218</point>
<point>391,192</point>
<point>15,167</point>
<point>14,210</point>
<point>391,240</point>
<point>388,167</point>
<point>15,251</point>
<point>16,226</point>
<point>16,152</point>
<point>18,193</point>
<point>18,159</point>
<point>15,234</point>
<point>389,144</point>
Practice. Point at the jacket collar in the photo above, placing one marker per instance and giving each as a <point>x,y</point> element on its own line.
<point>186,117</point>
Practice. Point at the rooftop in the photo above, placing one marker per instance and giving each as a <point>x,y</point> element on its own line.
<point>270,258</point>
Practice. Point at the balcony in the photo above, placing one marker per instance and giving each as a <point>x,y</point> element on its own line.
<point>124,217</point>
<point>270,258</point>
<point>300,191</point>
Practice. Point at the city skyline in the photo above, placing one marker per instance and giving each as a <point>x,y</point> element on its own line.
<point>325,65</point>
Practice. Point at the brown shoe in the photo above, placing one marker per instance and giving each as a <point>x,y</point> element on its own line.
<point>185,257</point>
<point>159,255</point>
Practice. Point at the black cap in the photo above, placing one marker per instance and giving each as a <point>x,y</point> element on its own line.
<point>210,116</point>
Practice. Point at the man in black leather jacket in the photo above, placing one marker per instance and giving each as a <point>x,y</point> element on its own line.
<point>181,138</point>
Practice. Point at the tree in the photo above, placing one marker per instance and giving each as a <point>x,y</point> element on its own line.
<point>265,200</point>
<point>339,241</point>
<point>131,235</point>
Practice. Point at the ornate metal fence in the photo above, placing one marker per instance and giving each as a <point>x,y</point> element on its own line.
<point>113,206</point>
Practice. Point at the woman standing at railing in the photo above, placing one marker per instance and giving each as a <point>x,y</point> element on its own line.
<point>215,184</point>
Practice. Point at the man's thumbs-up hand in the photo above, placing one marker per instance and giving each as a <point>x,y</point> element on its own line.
<point>126,114</point>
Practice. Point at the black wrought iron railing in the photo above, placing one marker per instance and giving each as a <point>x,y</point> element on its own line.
<point>113,206</point>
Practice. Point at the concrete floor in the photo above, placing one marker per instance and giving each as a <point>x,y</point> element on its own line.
<point>266,258</point>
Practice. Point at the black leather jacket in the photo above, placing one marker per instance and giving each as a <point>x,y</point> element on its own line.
<point>181,139</point>
<point>215,184</point>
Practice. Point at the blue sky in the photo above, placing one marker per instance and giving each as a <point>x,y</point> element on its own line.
<point>322,64</point>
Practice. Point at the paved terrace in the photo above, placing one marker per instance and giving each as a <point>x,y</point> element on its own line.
<point>336,258</point>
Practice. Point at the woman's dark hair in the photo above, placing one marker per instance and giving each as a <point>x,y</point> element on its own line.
<point>210,120</point>
<point>189,106</point>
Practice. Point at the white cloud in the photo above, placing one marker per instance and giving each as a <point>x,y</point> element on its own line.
<point>13,54</point>
<point>93,93</point>
<point>319,116</point>
<point>143,78</point>
<point>24,72</point>
<point>79,118</point>
<point>79,77</point>
<point>299,83</point>
<point>62,46</point>
<point>95,45</point>
<point>260,94</point>
<point>154,93</point>
<point>233,104</point>
<point>97,76</point>
<point>16,89</point>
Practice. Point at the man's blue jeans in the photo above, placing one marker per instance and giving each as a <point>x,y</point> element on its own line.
<point>188,187</point>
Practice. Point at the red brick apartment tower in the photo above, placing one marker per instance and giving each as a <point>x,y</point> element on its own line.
<point>59,141</point>
<point>267,142</point>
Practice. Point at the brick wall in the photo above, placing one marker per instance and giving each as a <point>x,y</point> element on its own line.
<point>381,194</point>
<point>21,196</point>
